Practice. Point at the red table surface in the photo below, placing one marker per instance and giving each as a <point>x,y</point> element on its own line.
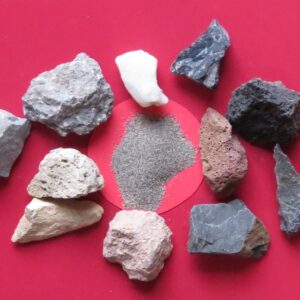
<point>38,35</point>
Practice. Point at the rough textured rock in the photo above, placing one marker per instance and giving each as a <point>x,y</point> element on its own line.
<point>288,192</point>
<point>73,97</point>
<point>138,72</point>
<point>265,112</point>
<point>229,229</point>
<point>13,132</point>
<point>201,60</point>
<point>140,241</point>
<point>65,173</point>
<point>46,219</point>
<point>224,160</point>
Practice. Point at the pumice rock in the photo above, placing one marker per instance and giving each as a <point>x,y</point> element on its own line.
<point>73,97</point>
<point>46,219</point>
<point>265,112</point>
<point>140,241</point>
<point>13,132</point>
<point>227,228</point>
<point>288,192</point>
<point>201,60</point>
<point>65,173</point>
<point>138,72</point>
<point>224,160</point>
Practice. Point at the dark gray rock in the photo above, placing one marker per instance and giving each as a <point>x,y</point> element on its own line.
<point>201,60</point>
<point>227,228</point>
<point>13,132</point>
<point>265,112</point>
<point>288,192</point>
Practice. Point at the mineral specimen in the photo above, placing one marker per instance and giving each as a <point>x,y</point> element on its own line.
<point>138,72</point>
<point>140,241</point>
<point>201,60</point>
<point>288,192</point>
<point>73,97</point>
<point>46,219</point>
<point>13,132</point>
<point>224,160</point>
<point>265,112</point>
<point>65,173</point>
<point>229,229</point>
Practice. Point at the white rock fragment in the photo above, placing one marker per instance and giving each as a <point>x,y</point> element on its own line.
<point>13,132</point>
<point>138,72</point>
<point>140,241</point>
<point>46,219</point>
<point>65,173</point>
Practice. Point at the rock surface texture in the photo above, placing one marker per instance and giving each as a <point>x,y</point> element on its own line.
<point>201,60</point>
<point>224,160</point>
<point>65,173</point>
<point>229,229</point>
<point>73,97</point>
<point>13,132</point>
<point>265,112</point>
<point>140,241</point>
<point>138,72</point>
<point>288,192</point>
<point>46,219</point>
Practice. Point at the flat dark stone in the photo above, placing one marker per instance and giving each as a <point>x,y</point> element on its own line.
<point>201,60</point>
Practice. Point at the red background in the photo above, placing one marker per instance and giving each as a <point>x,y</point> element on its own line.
<point>37,35</point>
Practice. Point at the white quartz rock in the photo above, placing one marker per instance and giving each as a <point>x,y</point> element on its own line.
<point>140,241</point>
<point>45,219</point>
<point>138,72</point>
<point>65,173</point>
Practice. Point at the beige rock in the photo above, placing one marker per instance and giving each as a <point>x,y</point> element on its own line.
<point>140,241</point>
<point>45,219</point>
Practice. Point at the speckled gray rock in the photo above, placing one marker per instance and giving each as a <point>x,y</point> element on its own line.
<point>288,192</point>
<point>227,228</point>
<point>265,112</point>
<point>201,60</point>
<point>65,173</point>
<point>13,132</point>
<point>73,97</point>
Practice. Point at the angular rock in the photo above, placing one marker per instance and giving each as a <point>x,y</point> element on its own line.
<point>65,173</point>
<point>201,60</point>
<point>227,228</point>
<point>45,219</point>
<point>13,132</point>
<point>224,160</point>
<point>140,241</point>
<point>138,72</point>
<point>265,112</point>
<point>73,97</point>
<point>288,192</point>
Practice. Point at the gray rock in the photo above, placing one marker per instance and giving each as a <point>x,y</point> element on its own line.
<point>13,132</point>
<point>288,192</point>
<point>227,228</point>
<point>73,97</point>
<point>265,112</point>
<point>201,60</point>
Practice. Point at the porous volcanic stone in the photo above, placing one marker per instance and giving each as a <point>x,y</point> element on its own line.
<point>224,160</point>
<point>13,132</point>
<point>140,241</point>
<point>227,228</point>
<point>73,97</point>
<point>265,112</point>
<point>201,60</point>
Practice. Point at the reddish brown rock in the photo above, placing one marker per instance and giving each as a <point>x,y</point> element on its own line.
<point>224,160</point>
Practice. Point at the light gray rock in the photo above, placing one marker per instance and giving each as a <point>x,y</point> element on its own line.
<point>140,241</point>
<point>73,97</point>
<point>13,132</point>
<point>45,219</point>
<point>65,173</point>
